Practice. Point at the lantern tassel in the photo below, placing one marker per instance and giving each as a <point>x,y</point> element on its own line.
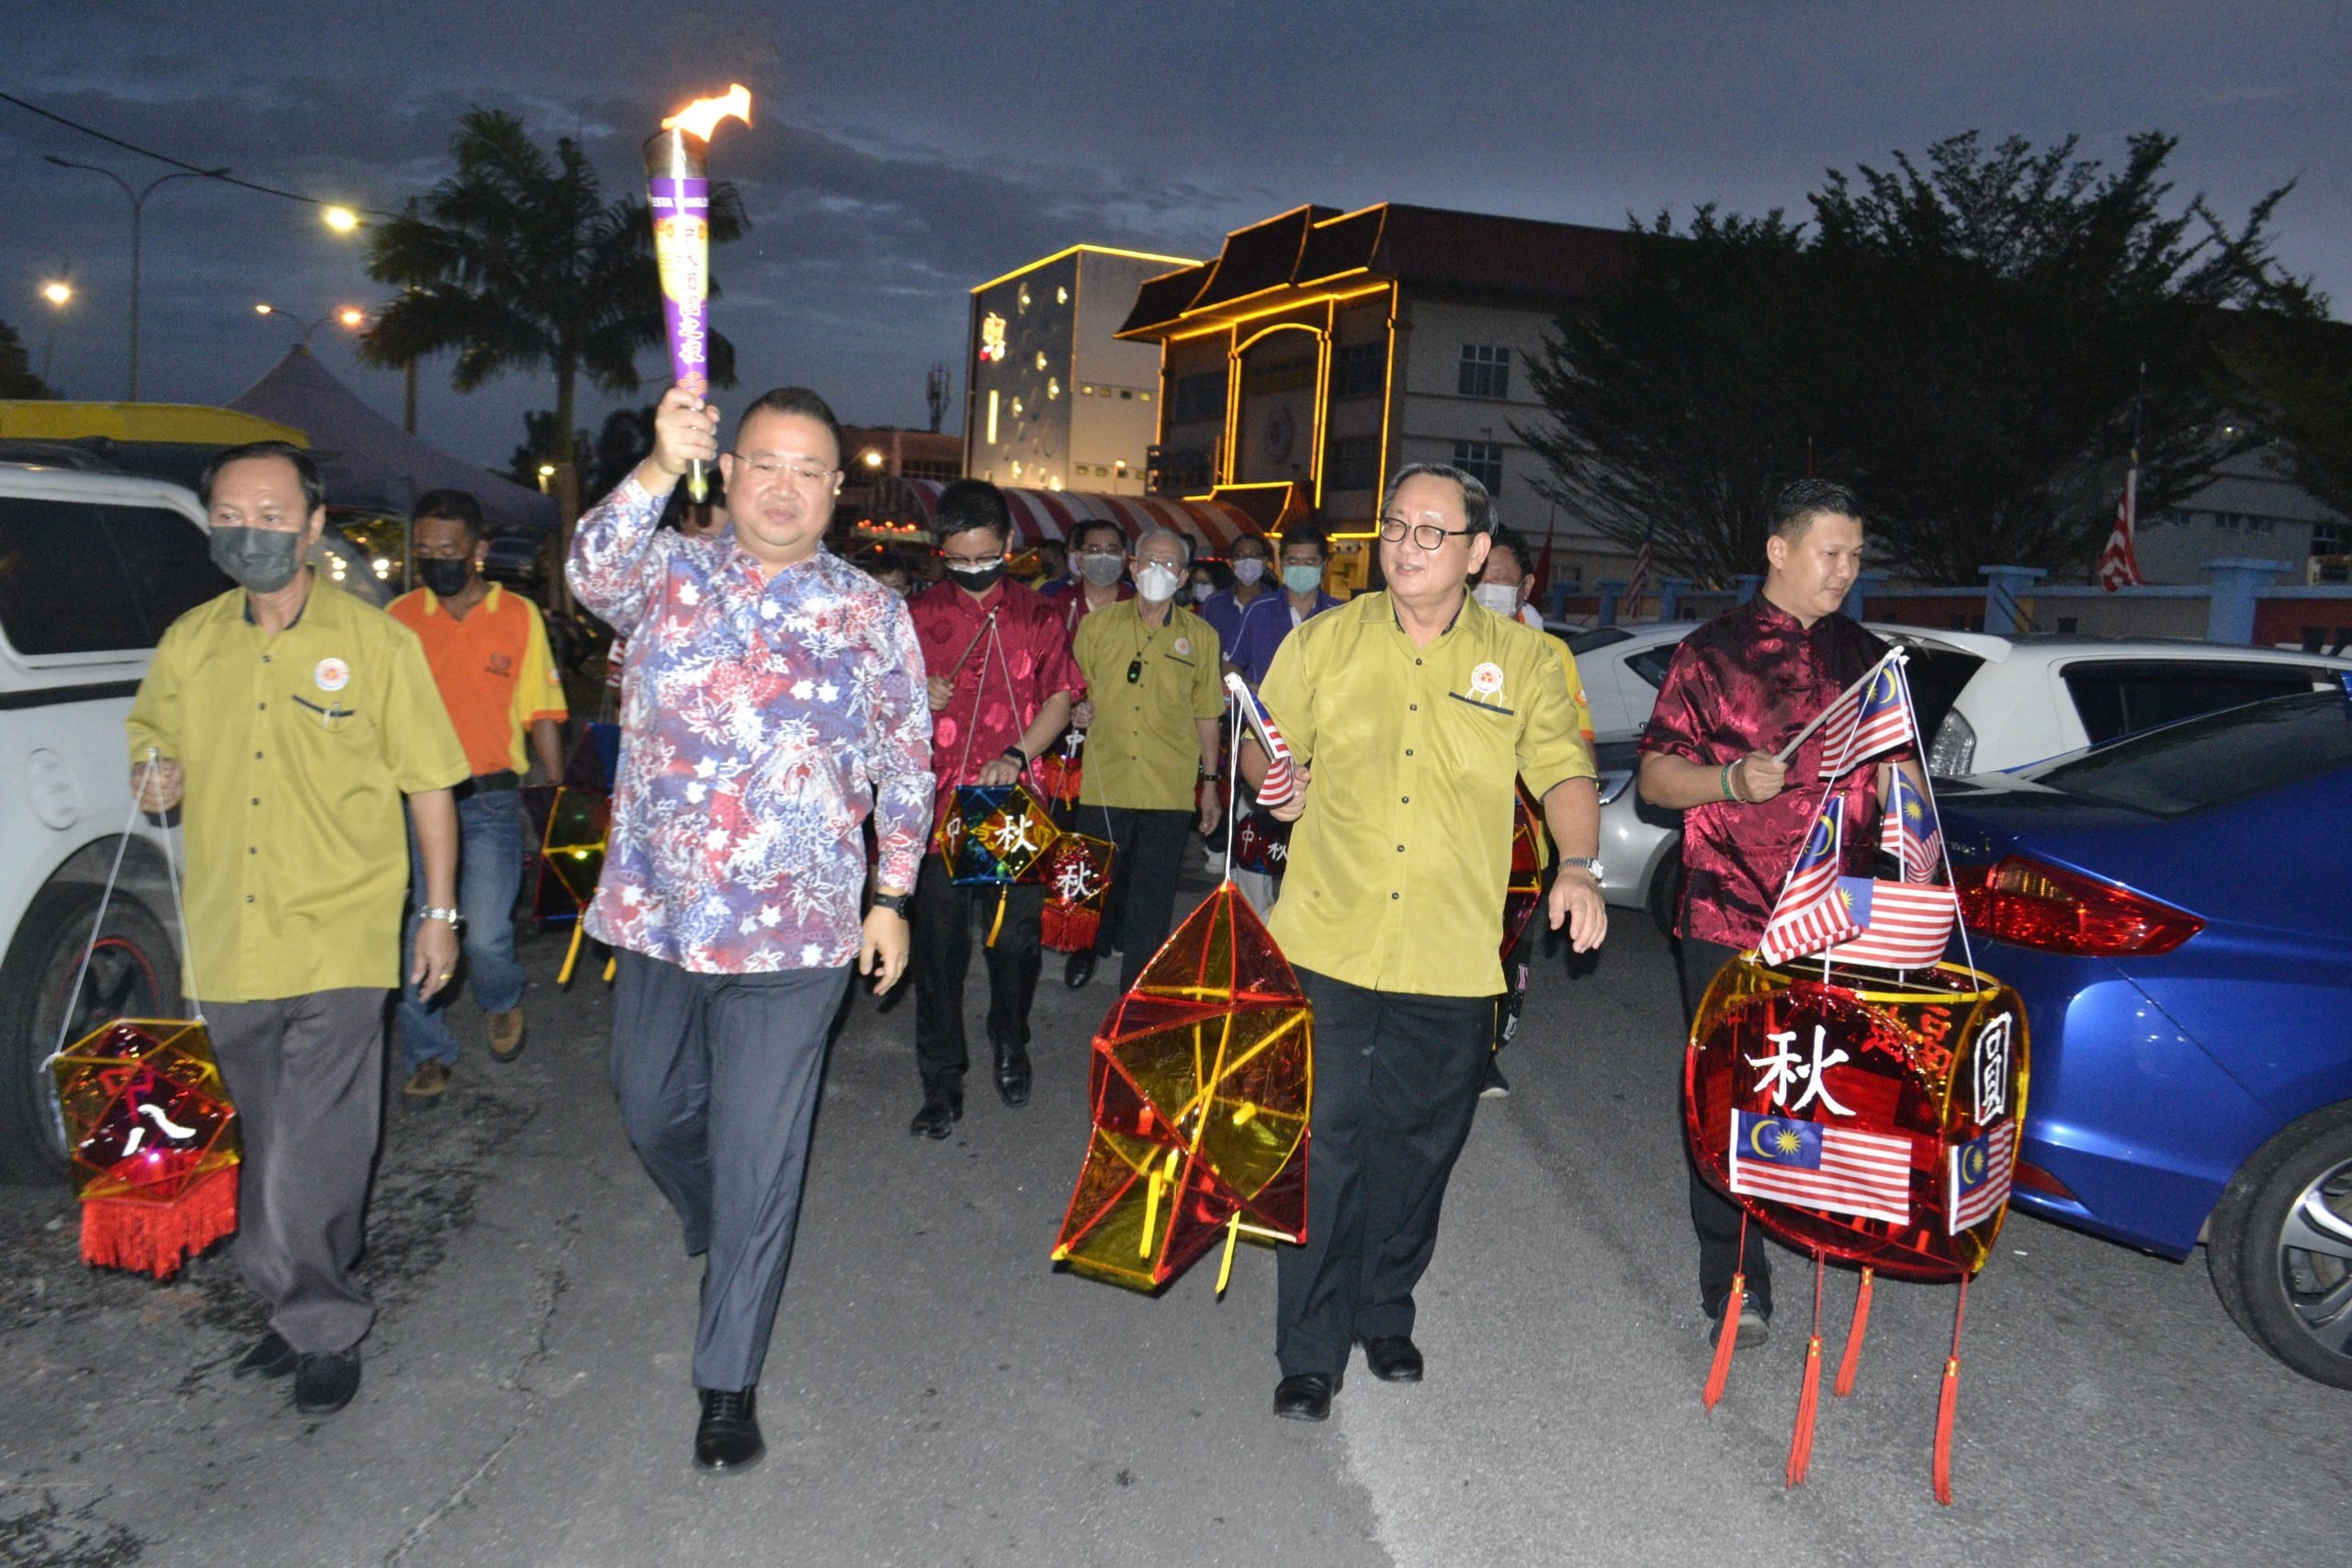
<point>1809,1400</point>
<point>1727,1330</point>
<point>1947,1402</point>
<point>157,1238</point>
<point>998,924</point>
<point>1851,1361</point>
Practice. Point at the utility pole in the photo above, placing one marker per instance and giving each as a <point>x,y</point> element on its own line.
<point>138,212</point>
<point>934,392</point>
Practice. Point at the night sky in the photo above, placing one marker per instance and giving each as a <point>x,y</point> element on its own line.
<point>904,153</point>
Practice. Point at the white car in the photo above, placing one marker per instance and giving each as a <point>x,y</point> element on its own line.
<point>92,567</point>
<point>1988,705</point>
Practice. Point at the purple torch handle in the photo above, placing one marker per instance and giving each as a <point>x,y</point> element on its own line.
<point>677,189</point>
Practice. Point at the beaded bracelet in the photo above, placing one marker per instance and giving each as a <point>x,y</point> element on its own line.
<point>1723,781</point>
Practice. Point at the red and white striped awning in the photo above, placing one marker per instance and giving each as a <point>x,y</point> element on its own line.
<point>1039,514</point>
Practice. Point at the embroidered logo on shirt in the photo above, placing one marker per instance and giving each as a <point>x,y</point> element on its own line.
<point>1183,647</point>
<point>331,675</point>
<point>1486,680</point>
<point>501,664</point>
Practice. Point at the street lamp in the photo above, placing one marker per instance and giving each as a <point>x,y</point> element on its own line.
<point>59,294</point>
<point>138,212</point>
<point>350,316</point>
<point>342,220</point>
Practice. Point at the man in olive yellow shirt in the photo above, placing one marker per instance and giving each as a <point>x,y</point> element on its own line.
<point>1153,697</point>
<point>286,723</point>
<point>1412,711</point>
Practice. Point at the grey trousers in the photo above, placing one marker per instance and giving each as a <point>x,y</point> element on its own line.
<point>717,1076</point>
<point>307,1076</point>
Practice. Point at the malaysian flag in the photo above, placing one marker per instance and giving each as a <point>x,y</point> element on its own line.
<point>1809,916</point>
<point>1980,1175</point>
<point>1903,925</point>
<point>2119,563</point>
<point>1639,584</point>
<point>1278,785</point>
<point>1880,722</point>
<point>1910,832</point>
<point>1819,1166</point>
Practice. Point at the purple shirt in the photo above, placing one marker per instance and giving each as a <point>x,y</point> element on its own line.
<point>1264,624</point>
<point>1746,681</point>
<point>765,715</point>
<point>1223,612</point>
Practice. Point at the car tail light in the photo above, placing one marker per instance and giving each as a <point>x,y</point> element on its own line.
<point>1953,754</point>
<point>2034,904</point>
<point>2033,1178</point>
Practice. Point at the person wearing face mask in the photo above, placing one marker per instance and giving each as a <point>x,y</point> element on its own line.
<point>1267,622</point>
<point>1251,582</point>
<point>488,650</point>
<point>1001,687</point>
<point>1504,584</point>
<point>1154,699</point>
<point>287,724</point>
<point>1099,552</point>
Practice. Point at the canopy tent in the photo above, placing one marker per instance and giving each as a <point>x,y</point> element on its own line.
<point>1040,514</point>
<point>369,463</point>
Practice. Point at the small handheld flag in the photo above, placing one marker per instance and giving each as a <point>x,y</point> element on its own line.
<point>1279,783</point>
<point>1810,915</point>
<point>1910,832</point>
<point>1882,721</point>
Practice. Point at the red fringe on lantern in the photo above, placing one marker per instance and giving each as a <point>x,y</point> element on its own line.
<point>1808,1401</point>
<point>1068,928</point>
<point>1947,1402</point>
<point>1851,1361</point>
<point>1727,1330</point>
<point>157,1238</point>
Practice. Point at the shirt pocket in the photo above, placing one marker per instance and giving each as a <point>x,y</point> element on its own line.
<point>1479,741</point>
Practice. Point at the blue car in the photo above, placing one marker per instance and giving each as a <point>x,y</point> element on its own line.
<point>2175,909</point>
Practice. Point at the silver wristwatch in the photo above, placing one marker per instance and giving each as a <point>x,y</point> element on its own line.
<point>452,916</point>
<point>1583,862</point>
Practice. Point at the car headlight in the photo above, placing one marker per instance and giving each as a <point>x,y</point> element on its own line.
<point>1953,752</point>
<point>1612,782</point>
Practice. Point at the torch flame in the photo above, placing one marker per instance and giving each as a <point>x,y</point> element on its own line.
<point>702,117</point>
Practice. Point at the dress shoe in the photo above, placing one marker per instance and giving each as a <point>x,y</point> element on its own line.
<point>1392,1357</point>
<point>426,1088</point>
<point>506,1034</point>
<point>1306,1396</point>
<point>941,1111</point>
<point>1755,1327</point>
<point>271,1357</point>
<point>325,1381</point>
<point>728,1438</point>
<point>1012,1075</point>
<point>1079,968</point>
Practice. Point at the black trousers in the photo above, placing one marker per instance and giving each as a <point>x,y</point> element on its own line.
<point>1715,1217</point>
<point>1396,1079</point>
<point>717,1078</point>
<point>1148,855</point>
<point>941,941</point>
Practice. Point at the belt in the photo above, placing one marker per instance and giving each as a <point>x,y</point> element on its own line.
<point>504,780</point>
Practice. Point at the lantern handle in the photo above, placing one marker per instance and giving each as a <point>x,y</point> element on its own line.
<point>106,897</point>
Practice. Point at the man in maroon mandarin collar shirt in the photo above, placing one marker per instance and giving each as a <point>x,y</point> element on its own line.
<point>1739,688</point>
<point>1001,683</point>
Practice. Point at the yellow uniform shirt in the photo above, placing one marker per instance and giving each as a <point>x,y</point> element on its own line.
<point>1144,749</point>
<point>1398,864</point>
<point>295,752</point>
<point>493,670</point>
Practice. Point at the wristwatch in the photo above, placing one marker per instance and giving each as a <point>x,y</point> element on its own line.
<point>452,916</point>
<point>1584,864</point>
<point>899,904</point>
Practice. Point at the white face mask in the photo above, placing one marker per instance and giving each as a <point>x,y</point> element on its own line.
<point>1499,597</point>
<point>1248,570</point>
<point>1157,582</point>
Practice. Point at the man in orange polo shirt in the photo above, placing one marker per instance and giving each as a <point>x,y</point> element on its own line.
<point>489,655</point>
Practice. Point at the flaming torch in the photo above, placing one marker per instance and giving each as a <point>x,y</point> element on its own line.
<point>677,188</point>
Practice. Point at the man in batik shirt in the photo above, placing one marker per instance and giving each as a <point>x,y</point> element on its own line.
<point>775,696</point>
<point>1739,688</point>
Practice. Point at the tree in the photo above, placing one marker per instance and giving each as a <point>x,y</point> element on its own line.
<point>2296,387</point>
<point>1959,337</point>
<point>517,262</point>
<point>17,378</point>
<point>625,436</point>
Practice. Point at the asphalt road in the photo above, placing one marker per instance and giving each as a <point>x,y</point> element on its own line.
<point>937,1393</point>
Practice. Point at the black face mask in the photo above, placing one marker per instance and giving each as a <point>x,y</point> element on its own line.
<point>262,560</point>
<point>979,580</point>
<point>446,577</point>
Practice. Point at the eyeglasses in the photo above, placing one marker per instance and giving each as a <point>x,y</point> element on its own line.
<point>1429,535</point>
<point>768,468</point>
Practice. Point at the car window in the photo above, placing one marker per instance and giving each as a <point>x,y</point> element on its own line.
<point>2212,760</point>
<point>62,590</point>
<point>1600,636</point>
<point>2116,697</point>
<point>1651,664</point>
<point>166,561</point>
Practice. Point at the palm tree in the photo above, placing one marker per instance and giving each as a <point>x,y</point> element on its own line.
<point>517,262</point>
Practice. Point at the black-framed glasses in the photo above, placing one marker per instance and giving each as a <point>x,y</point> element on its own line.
<point>1429,535</point>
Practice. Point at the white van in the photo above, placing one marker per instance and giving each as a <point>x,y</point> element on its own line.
<point>92,567</point>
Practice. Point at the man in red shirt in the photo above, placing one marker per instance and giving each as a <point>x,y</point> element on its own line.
<point>1739,688</point>
<point>489,655</point>
<point>1001,684</point>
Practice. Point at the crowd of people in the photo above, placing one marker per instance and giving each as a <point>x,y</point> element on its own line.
<point>794,728</point>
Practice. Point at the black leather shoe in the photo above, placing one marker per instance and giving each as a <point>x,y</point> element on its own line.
<point>1079,969</point>
<point>1012,1075</point>
<point>943,1107</point>
<point>1306,1396</point>
<point>271,1358</point>
<point>1392,1357</point>
<point>728,1438</point>
<point>326,1381</point>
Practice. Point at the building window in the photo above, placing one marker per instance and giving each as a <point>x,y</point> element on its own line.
<point>1486,370</point>
<point>1358,369</point>
<point>1199,397</point>
<point>1482,461</point>
<point>1176,470</point>
<point>1351,462</point>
